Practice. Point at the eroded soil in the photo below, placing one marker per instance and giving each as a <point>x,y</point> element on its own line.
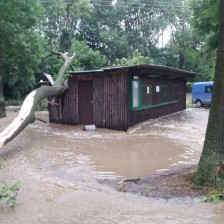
<point>171,184</point>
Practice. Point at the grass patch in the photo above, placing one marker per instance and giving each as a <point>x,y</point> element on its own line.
<point>8,192</point>
<point>150,188</point>
<point>213,196</point>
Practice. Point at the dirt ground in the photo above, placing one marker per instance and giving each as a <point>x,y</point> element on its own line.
<point>171,184</point>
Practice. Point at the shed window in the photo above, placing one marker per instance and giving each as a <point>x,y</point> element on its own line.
<point>140,94</point>
<point>163,94</point>
<point>135,93</point>
<point>146,94</point>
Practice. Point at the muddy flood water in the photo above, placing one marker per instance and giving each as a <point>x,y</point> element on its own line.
<point>59,167</point>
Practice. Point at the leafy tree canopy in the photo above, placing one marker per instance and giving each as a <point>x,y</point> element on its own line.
<point>20,45</point>
<point>206,14</point>
<point>86,58</point>
<point>135,59</point>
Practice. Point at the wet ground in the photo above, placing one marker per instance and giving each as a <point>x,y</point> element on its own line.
<point>60,167</point>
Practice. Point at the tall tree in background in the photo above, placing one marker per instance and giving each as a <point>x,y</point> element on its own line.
<point>187,48</point>
<point>27,112</point>
<point>61,27</point>
<point>206,19</point>
<point>20,45</point>
<point>118,29</point>
<point>211,165</point>
<point>61,21</point>
<point>2,101</point>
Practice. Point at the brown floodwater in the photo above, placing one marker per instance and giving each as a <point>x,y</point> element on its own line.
<point>59,167</point>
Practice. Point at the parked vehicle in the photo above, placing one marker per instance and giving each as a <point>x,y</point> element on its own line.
<point>202,93</point>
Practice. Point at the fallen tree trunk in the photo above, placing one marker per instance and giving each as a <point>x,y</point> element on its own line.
<point>27,112</point>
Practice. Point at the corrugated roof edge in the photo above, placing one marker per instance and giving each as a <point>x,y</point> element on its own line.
<point>147,66</point>
<point>85,72</point>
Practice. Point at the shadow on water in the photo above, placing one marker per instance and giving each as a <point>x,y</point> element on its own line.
<point>59,165</point>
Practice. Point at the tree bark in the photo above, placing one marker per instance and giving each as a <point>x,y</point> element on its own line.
<point>27,112</point>
<point>211,165</point>
<point>2,101</point>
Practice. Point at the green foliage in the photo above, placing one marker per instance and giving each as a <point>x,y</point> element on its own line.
<point>42,105</point>
<point>20,45</point>
<point>2,99</point>
<point>150,188</point>
<point>187,49</point>
<point>61,21</point>
<point>135,59</point>
<point>114,44</point>
<point>14,102</point>
<point>51,65</point>
<point>103,32</point>
<point>86,58</point>
<point>213,197</point>
<point>117,29</point>
<point>205,19</point>
<point>8,192</point>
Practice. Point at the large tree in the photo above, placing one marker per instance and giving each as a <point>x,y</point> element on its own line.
<point>20,45</point>
<point>206,19</point>
<point>211,165</point>
<point>187,48</point>
<point>27,112</point>
<point>118,28</point>
<point>2,102</point>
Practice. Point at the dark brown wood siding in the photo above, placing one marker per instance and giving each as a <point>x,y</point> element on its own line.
<point>66,112</point>
<point>110,101</point>
<point>110,105</point>
<point>111,95</point>
<point>176,90</point>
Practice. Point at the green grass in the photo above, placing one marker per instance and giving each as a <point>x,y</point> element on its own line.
<point>213,197</point>
<point>8,192</point>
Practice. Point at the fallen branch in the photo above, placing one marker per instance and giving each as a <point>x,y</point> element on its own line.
<point>41,120</point>
<point>121,183</point>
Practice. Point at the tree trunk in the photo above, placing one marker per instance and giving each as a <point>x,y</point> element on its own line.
<point>181,60</point>
<point>2,101</point>
<point>27,112</point>
<point>211,165</point>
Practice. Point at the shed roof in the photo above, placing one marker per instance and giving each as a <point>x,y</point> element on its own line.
<point>142,69</point>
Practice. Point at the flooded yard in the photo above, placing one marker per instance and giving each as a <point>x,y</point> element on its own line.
<point>59,167</point>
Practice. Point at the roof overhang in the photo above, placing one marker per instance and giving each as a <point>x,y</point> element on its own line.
<point>148,70</point>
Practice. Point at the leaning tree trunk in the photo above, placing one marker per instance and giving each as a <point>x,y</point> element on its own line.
<point>211,165</point>
<point>27,112</point>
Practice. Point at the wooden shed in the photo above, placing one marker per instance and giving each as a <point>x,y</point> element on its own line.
<point>117,98</point>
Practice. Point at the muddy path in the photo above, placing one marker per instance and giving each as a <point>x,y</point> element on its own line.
<point>59,168</point>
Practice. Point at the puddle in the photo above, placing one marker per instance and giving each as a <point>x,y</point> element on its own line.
<point>59,165</point>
